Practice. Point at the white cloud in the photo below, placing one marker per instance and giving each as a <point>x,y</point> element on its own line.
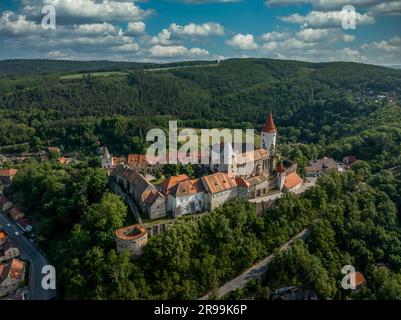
<point>319,19</point>
<point>96,28</point>
<point>16,25</point>
<point>105,10</point>
<point>191,30</point>
<point>162,38</point>
<point>201,30</point>
<point>159,51</point>
<point>136,28</point>
<point>324,35</point>
<point>243,42</point>
<point>329,4</point>
<point>276,36</point>
<point>388,8</point>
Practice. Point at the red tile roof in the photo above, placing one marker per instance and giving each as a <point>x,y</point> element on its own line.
<point>8,173</point>
<point>219,182</point>
<point>188,187</point>
<point>137,159</point>
<point>2,235</point>
<point>171,182</point>
<point>16,269</point>
<point>130,232</point>
<point>292,180</point>
<point>269,126</point>
<point>358,279</point>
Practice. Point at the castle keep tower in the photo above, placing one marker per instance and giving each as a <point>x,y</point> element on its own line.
<point>132,238</point>
<point>269,135</point>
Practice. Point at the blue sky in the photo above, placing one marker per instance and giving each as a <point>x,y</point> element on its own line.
<point>174,30</point>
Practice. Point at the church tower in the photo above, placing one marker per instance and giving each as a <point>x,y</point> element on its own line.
<point>269,136</point>
<point>106,159</point>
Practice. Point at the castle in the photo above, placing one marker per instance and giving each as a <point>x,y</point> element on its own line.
<point>248,175</point>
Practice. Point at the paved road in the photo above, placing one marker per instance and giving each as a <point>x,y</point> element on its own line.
<point>36,259</point>
<point>255,272</point>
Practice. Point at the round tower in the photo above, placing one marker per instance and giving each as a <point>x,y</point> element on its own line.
<point>269,135</point>
<point>132,238</point>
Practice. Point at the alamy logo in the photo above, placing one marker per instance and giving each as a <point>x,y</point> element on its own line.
<point>206,148</point>
<point>353,279</point>
<point>49,20</point>
<point>348,17</point>
<point>49,280</point>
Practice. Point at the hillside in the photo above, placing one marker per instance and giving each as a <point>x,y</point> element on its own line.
<point>43,66</point>
<point>77,111</point>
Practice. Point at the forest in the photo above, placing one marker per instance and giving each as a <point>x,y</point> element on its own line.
<point>320,110</point>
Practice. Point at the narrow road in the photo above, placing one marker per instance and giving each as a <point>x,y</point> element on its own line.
<point>117,190</point>
<point>255,272</point>
<point>30,253</point>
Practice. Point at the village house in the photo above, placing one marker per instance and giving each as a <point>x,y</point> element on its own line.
<point>132,239</point>
<point>316,168</point>
<point>140,163</point>
<point>16,214</point>
<point>349,160</point>
<point>8,250</point>
<point>7,175</point>
<point>12,275</point>
<point>64,160</point>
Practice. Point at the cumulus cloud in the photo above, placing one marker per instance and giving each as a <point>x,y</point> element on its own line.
<point>329,4</point>
<point>388,8</point>
<point>324,35</point>
<point>16,25</point>
<point>108,11</point>
<point>319,19</point>
<point>136,28</point>
<point>201,30</point>
<point>191,30</point>
<point>243,42</point>
<point>159,51</point>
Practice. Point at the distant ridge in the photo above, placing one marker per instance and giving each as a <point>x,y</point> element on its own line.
<point>43,66</point>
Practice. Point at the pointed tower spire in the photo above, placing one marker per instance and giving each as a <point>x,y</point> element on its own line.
<point>269,126</point>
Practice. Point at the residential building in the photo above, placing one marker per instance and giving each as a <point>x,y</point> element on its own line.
<point>7,175</point>
<point>146,196</point>
<point>8,250</point>
<point>292,182</point>
<point>220,188</point>
<point>349,160</point>
<point>316,168</point>
<point>16,214</point>
<point>132,238</point>
<point>187,197</point>
<point>139,163</point>
<point>12,275</point>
